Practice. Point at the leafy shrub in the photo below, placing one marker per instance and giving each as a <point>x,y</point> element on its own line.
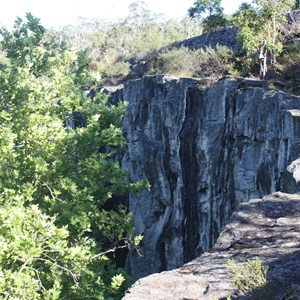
<point>208,62</point>
<point>215,61</point>
<point>245,66</point>
<point>178,62</point>
<point>289,63</point>
<point>36,257</point>
<point>116,72</point>
<point>248,277</point>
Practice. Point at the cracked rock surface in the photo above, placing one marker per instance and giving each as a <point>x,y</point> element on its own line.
<point>204,150</point>
<point>267,229</point>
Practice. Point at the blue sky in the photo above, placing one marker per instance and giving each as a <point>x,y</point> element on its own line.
<point>56,13</point>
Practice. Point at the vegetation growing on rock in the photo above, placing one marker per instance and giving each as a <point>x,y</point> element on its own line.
<point>251,276</point>
<point>133,46</point>
<point>183,62</point>
<point>58,173</point>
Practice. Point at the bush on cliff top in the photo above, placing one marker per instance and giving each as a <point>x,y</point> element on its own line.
<point>183,62</point>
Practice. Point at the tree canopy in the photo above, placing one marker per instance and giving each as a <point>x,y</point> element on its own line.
<point>57,175</point>
<point>210,12</point>
<point>259,26</point>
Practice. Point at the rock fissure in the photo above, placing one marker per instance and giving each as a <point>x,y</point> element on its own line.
<point>204,151</point>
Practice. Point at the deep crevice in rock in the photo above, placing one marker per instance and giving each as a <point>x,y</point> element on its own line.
<point>204,151</point>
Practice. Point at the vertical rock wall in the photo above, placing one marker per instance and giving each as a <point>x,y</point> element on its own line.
<point>203,151</point>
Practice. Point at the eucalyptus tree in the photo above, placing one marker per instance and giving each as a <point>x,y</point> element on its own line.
<point>210,12</point>
<point>259,27</point>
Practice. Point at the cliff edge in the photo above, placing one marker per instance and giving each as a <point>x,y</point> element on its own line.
<point>267,229</point>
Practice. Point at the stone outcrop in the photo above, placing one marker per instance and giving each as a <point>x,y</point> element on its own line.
<point>224,36</point>
<point>204,151</point>
<point>266,229</point>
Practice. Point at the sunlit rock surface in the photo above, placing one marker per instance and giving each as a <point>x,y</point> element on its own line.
<point>267,229</point>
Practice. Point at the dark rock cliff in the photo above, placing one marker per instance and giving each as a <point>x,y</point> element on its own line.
<point>224,36</point>
<point>203,150</point>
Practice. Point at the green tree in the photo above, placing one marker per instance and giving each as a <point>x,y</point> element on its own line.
<point>211,13</point>
<point>259,30</point>
<point>112,44</point>
<point>210,7</point>
<point>57,175</point>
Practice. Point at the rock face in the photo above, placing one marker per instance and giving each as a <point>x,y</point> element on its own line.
<point>224,36</point>
<point>204,151</point>
<point>267,229</point>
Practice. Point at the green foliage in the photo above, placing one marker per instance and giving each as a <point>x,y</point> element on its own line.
<point>208,62</point>
<point>57,175</point>
<point>246,19</point>
<point>289,64</point>
<point>36,257</point>
<point>18,44</point>
<point>210,12</point>
<point>211,7</point>
<point>214,62</point>
<point>178,62</point>
<point>116,72</point>
<point>259,30</point>
<point>213,22</point>
<point>248,277</point>
<point>112,44</point>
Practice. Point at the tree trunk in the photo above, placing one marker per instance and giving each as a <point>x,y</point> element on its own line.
<point>263,56</point>
<point>265,67</point>
<point>274,33</point>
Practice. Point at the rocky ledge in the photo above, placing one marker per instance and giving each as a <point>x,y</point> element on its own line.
<point>267,229</point>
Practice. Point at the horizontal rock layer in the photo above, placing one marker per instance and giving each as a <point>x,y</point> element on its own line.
<point>204,151</point>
